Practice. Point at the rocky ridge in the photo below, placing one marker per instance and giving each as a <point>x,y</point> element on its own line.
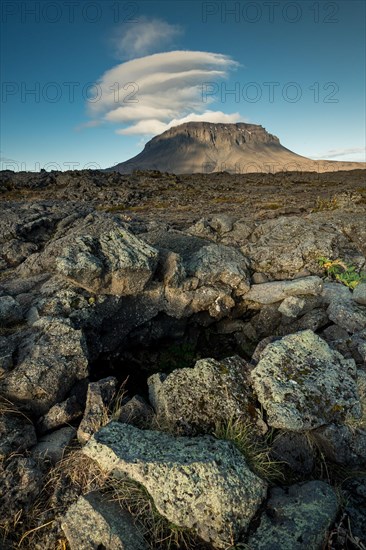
<point>228,323</point>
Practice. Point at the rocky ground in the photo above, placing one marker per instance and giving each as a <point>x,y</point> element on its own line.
<point>183,361</point>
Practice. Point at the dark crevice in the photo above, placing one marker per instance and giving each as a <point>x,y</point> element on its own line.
<point>147,350</point>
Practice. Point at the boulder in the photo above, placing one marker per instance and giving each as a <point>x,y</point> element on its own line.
<point>192,400</point>
<point>292,306</point>
<point>197,483</point>
<point>115,262</point>
<point>288,245</point>
<point>17,433</point>
<point>136,412</point>
<point>312,320</point>
<point>296,518</point>
<point>8,345</point>
<point>348,314</point>
<point>342,444</point>
<point>93,522</point>
<point>10,311</point>
<point>52,446</point>
<point>354,491</point>
<point>303,384</point>
<point>275,291</point>
<point>52,360</point>
<point>359,294</point>
<point>98,399</point>
<point>20,484</point>
<point>218,264</point>
<point>295,450</point>
<point>98,253</point>
<point>60,414</point>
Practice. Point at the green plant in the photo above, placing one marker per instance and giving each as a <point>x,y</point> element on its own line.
<point>256,451</point>
<point>342,272</point>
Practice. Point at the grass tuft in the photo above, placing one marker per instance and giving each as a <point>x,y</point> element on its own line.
<point>255,451</point>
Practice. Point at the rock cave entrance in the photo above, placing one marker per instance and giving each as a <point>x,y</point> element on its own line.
<point>164,344</point>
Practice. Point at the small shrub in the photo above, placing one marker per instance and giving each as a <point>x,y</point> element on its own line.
<point>326,204</point>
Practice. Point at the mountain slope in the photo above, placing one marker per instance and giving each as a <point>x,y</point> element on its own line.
<point>237,148</point>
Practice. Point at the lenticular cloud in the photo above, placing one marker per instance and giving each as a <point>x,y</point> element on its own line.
<point>150,94</point>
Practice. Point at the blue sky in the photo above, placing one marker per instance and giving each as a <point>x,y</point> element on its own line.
<point>87,83</point>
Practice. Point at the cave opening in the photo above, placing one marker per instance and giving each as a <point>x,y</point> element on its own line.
<point>164,344</point>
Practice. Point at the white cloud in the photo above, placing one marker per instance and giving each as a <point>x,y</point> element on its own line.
<point>89,124</point>
<point>154,126</point>
<point>357,154</point>
<point>144,37</point>
<point>150,94</point>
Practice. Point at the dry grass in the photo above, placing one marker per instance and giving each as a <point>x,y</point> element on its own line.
<point>271,205</point>
<point>74,475</point>
<point>157,530</point>
<point>255,451</point>
<point>112,410</point>
<point>8,407</point>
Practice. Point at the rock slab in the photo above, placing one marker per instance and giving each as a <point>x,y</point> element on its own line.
<point>296,518</point>
<point>93,523</point>
<point>193,400</point>
<point>303,384</point>
<point>200,483</point>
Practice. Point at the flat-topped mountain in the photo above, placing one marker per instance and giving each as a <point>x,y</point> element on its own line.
<point>206,147</point>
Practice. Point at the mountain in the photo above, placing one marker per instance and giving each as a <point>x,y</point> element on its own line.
<point>236,148</point>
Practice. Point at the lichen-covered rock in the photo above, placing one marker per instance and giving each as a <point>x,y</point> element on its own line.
<point>292,306</point>
<point>98,399</point>
<point>303,384</point>
<point>116,262</point>
<point>296,518</point>
<point>10,311</point>
<point>275,291</point>
<point>288,245</point>
<point>136,412</point>
<point>354,490</point>
<point>342,444</point>
<point>94,522</point>
<point>359,294</point>
<point>199,483</point>
<point>312,320</point>
<point>193,400</point>
<point>295,450</point>
<point>52,360</point>
<point>20,484</point>
<point>60,414</point>
<point>347,314</point>
<point>215,264</point>
<point>98,253</point>
<point>52,446</point>
<point>17,433</point>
